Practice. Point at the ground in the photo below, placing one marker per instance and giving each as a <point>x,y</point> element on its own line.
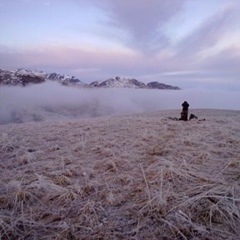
<point>141,176</point>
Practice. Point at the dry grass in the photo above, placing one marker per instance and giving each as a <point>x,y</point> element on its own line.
<point>130,177</point>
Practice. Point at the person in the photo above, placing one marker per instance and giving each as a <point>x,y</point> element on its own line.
<point>184,113</point>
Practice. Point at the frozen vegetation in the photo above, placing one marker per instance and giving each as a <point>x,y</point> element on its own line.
<point>135,176</point>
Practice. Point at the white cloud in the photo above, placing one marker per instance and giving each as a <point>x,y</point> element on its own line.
<point>51,101</point>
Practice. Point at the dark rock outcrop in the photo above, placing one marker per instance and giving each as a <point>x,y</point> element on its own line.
<point>28,79</point>
<point>157,85</point>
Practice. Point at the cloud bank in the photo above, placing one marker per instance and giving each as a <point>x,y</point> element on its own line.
<point>51,101</point>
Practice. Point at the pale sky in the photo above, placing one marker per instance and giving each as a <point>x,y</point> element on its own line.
<point>188,43</point>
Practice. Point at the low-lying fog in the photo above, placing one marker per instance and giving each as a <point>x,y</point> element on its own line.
<point>52,101</point>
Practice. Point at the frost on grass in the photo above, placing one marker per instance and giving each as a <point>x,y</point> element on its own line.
<point>131,177</point>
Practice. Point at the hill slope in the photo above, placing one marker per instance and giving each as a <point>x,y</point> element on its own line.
<point>131,177</point>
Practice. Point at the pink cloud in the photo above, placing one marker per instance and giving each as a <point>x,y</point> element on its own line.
<point>142,20</point>
<point>209,33</point>
<point>71,60</point>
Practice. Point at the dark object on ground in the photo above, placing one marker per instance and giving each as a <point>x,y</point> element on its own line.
<point>192,116</point>
<point>173,118</point>
<point>195,117</point>
<point>184,113</point>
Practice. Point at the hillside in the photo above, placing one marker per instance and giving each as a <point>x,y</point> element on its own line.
<point>139,176</point>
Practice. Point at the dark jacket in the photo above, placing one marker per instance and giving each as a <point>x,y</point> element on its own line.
<point>185,106</point>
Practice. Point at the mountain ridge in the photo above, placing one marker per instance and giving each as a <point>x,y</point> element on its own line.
<point>23,77</point>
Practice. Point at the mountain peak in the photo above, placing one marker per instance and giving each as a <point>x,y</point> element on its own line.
<point>119,82</point>
<point>124,82</point>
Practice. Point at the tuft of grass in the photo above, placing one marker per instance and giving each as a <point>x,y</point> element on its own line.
<point>18,196</point>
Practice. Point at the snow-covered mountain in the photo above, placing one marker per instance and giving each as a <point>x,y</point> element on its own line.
<point>24,77</point>
<point>20,77</point>
<point>118,82</point>
<point>65,79</point>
